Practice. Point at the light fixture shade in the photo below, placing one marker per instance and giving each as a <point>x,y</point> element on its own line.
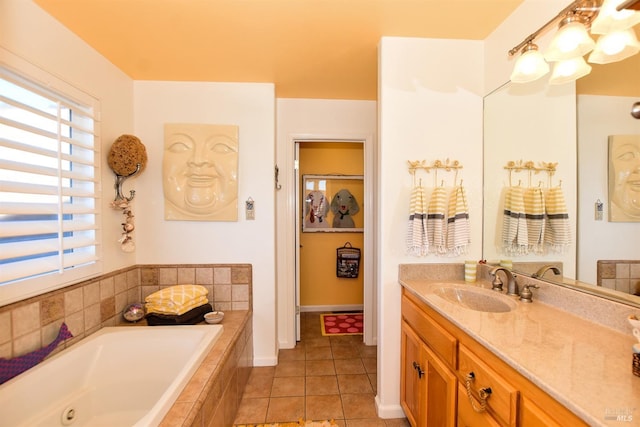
<point>529,66</point>
<point>571,40</point>
<point>610,19</point>
<point>569,70</point>
<point>615,46</point>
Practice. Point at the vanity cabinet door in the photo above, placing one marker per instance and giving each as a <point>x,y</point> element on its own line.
<point>428,386</point>
<point>440,399</point>
<point>412,383</point>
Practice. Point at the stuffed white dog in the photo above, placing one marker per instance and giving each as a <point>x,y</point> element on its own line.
<point>343,205</point>
<point>316,208</point>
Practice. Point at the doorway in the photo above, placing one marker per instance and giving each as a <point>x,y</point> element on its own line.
<point>330,211</point>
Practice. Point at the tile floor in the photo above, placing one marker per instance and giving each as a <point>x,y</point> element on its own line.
<point>322,378</point>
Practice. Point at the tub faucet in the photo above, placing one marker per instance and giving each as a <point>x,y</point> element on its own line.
<point>512,286</point>
<point>538,274</point>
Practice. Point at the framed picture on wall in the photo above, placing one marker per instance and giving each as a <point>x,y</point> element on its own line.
<point>332,203</point>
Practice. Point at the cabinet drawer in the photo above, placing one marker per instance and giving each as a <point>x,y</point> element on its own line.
<point>435,336</point>
<point>467,416</point>
<point>503,401</point>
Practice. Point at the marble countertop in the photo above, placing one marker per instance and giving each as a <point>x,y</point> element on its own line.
<point>583,365</point>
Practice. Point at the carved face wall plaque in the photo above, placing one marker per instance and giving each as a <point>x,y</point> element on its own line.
<point>200,172</point>
<point>624,178</point>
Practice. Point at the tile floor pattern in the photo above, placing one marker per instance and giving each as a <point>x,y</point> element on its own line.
<point>322,378</point>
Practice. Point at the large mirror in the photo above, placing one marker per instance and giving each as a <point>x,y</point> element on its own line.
<point>563,132</point>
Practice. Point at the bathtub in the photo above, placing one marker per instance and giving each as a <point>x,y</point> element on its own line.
<point>118,376</point>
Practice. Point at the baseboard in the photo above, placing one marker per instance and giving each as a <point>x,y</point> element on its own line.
<point>389,411</point>
<point>329,308</point>
<point>265,361</point>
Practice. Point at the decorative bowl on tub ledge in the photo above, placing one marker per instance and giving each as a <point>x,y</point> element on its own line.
<point>133,312</point>
<point>214,317</point>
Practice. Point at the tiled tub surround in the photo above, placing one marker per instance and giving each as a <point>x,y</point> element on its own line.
<point>619,275</point>
<point>90,305</point>
<point>584,364</point>
<point>87,306</point>
<point>212,397</point>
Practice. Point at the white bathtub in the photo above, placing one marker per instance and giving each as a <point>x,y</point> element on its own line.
<point>119,376</point>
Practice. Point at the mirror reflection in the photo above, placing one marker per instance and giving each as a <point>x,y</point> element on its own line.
<point>571,125</point>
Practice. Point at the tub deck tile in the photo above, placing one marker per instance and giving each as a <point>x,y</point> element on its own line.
<point>215,378</point>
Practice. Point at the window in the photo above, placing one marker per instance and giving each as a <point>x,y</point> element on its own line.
<point>49,183</point>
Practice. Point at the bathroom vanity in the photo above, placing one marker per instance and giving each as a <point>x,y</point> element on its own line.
<point>508,363</point>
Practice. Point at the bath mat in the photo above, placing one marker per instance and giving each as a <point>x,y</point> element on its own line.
<point>294,424</point>
<point>341,324</point>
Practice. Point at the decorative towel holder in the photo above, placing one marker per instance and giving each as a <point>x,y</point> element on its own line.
<point>446,165</point>
<point>530,166</point>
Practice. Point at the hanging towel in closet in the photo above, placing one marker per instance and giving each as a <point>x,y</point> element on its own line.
<point>437,220</point>
<point>458,231</point>
<point>417,243</point>
<point>535,218</point>
<point>557,234</point>
<point>514,226</point>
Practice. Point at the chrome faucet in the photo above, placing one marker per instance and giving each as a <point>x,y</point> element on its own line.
<point>538,274</point>
<point>512,286</point>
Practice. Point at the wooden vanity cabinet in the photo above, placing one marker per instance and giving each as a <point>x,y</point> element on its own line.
<point>429,386</point>
<point>436,359</point>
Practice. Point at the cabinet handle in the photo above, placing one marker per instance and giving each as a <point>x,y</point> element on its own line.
<point>417,367</point>
<point>484,393</point>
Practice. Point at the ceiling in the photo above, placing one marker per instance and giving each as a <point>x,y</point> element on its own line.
<point>308,48</point>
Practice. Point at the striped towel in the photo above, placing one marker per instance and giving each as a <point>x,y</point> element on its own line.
<point>458,231</point>
<point>417,243</point>
<point>437,220</point>
<point>557,235</point>
<point>514,227</point>
<point>535,218</point>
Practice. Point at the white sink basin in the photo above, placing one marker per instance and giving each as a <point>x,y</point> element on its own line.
<point>477,299</point>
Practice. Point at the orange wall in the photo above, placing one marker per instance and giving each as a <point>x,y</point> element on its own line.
<point>616,79</point>
<point>318,282</point>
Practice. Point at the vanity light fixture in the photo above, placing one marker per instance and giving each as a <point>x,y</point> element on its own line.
<point>611,19</point>
<point>530,65</point>
<point>572,40</point>
<point>615,46</point>
<point>569,70</point>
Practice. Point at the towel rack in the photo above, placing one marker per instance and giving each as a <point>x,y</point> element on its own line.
<point>530,166</point>
<point>446,165</point>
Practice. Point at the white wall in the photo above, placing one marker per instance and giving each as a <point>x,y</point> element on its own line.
<point>601,239</point>
<point>251,106</point>
<point>30,33</point>
<point>430,109</point>
<point>324,120</point>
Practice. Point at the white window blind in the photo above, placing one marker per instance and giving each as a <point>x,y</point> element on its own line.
<point>49,180</point>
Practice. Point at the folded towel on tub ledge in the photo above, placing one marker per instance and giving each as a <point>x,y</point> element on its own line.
<point>177,294</point>
<point>191,317</point>
<point>176,299</point>
<point>161,308</point>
